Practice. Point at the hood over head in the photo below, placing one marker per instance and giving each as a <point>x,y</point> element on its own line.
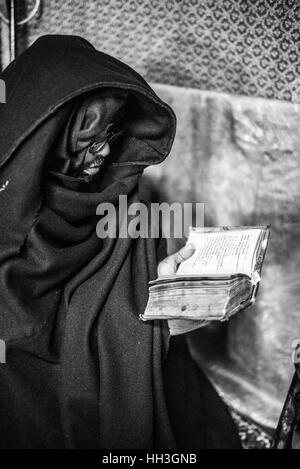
<point>56,69</point>
<point>62,96</point>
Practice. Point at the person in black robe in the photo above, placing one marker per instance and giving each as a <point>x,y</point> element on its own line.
<point>82,371</point>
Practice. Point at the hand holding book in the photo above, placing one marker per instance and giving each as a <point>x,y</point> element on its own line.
<point>168,267</point>
<point>170,264</point>
<point>218,275</point>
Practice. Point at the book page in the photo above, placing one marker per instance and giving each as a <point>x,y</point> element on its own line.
<point>221,252</point>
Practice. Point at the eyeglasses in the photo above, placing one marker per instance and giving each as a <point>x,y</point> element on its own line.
<point>98,145</point>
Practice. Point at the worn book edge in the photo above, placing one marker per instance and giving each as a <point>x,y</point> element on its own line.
<point>258,260</point>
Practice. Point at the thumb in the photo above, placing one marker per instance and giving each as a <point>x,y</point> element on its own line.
<point>168,266</point>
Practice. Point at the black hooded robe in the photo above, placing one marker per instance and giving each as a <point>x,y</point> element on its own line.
<point>82,371</point>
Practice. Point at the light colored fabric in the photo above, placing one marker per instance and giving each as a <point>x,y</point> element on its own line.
<point>241,157</point>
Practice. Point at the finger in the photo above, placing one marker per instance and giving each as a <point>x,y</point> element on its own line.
<point>169,265</point>
<point>184,253</point>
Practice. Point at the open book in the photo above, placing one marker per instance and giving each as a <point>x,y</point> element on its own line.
<point>217,281</point>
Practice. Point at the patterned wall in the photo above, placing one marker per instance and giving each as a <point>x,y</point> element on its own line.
<point>248,47</point>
